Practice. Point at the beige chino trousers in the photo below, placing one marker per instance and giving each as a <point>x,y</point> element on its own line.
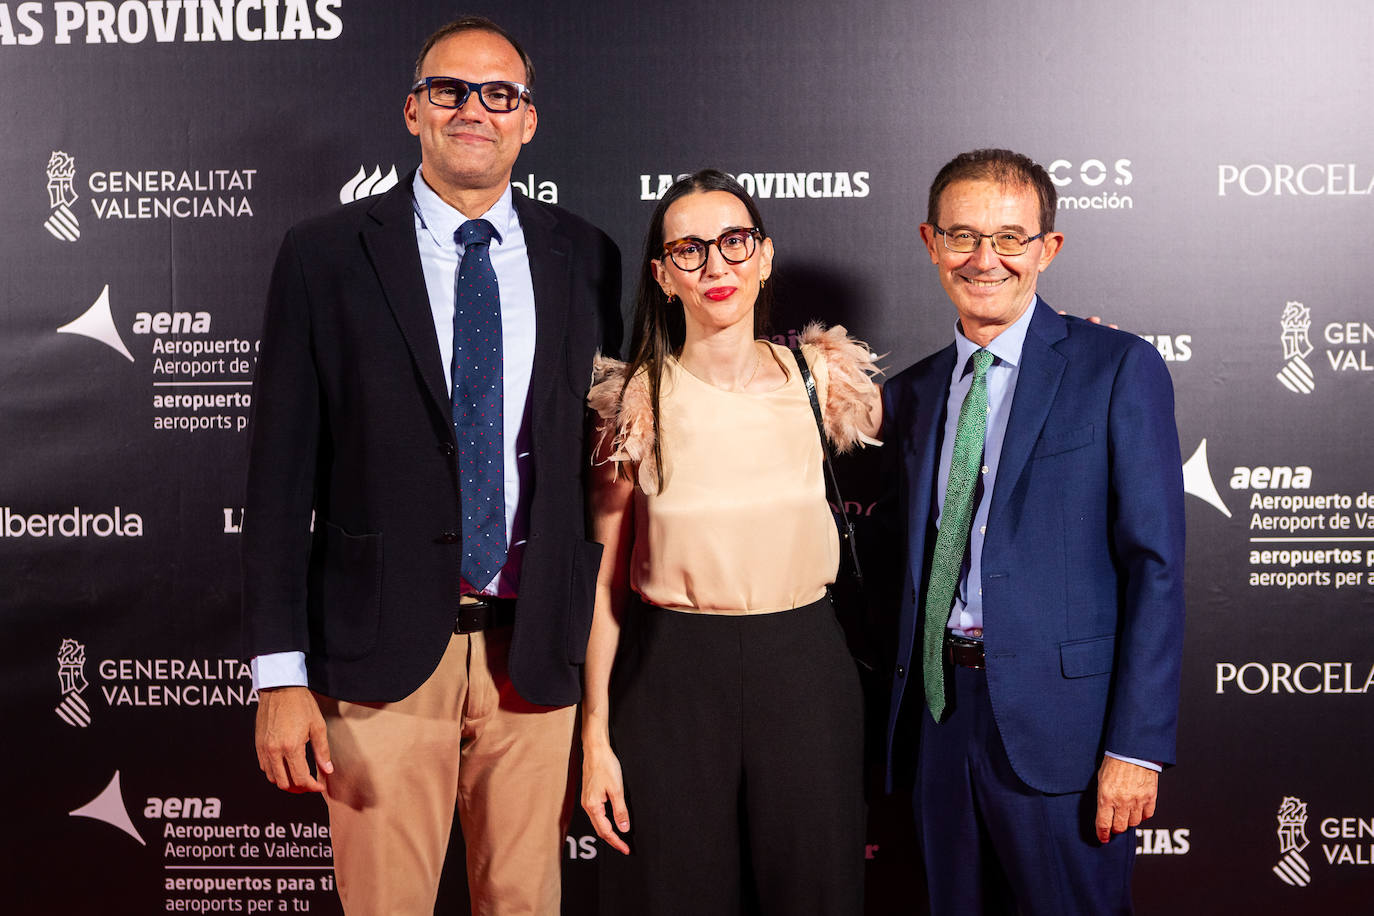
<point>464,739</point>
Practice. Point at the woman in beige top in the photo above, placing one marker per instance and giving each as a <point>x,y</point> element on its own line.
<point>717,678</point>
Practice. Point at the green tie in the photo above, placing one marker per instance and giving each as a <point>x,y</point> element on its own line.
<point>955,518</point>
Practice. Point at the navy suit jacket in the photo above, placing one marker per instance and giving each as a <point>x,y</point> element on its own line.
<point>1083,555</point>
<point>351,422</point>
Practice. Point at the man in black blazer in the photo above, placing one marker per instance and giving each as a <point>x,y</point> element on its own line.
<point>427,691</point>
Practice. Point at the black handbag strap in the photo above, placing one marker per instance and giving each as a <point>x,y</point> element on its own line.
<point>847,527</point>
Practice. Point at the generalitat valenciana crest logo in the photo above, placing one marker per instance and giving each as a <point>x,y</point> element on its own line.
<point>62,222</point>
<point>1292,868</point>
<point>1296,375</point>
<point>71,675</point>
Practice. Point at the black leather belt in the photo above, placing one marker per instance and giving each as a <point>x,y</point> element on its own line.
<point>964,652</point>
<point>483,612</point>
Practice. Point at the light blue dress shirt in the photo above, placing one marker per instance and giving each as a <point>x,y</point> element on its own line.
<point>435,225</point>
<point>440,254</point>
<point>966,618</point>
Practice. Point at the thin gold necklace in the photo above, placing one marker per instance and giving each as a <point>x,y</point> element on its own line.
<point>758,359</point>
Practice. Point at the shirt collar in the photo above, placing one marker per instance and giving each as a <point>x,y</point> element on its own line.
<point>1006,346</point>
<point>442,220</point>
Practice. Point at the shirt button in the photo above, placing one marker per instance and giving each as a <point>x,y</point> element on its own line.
<point>449,537</point>
<point>985,469</point>
<point>901,671</point>
<point>983,529</point>
<point>446,448</point>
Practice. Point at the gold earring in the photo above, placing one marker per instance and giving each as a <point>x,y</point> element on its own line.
<point>670,296</point>
<point>763,281</point>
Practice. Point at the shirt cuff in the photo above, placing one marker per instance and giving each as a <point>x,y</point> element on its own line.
<point>1147,764</point>
<point>278,669</point>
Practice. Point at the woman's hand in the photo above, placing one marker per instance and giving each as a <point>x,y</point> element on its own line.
<point>601,783</point>
<point>612,513</point>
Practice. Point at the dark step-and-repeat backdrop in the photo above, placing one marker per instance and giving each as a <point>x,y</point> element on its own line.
<point>1217,179</point>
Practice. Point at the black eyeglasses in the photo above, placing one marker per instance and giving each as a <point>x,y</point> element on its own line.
<point>735,246</point>
<point>1007,242</point>
<point>498,96</point>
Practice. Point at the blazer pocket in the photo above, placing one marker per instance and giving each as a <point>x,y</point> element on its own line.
<point>1058,442</point>
<point>350,592</point>
<point>1086,657</point>
<point>582,598</point>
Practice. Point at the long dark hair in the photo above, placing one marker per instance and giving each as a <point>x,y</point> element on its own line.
<point>659,326</point>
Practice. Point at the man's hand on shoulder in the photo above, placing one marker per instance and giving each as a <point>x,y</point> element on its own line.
<point>288,717</point>
<point>1125,796</point>
<point>1095,319</point>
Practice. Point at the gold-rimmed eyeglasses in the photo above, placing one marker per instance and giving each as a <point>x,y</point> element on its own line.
<point>1006,242</point>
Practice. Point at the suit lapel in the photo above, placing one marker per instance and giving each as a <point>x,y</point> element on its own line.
<point>922,455</point>
<point>395,256</point>
<point>1037,383</point>
<point>548,251</point>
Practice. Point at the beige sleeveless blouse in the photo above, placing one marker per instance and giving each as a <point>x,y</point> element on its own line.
<point>741,524</point>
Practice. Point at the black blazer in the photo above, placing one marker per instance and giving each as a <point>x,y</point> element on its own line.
<point>351,420</point>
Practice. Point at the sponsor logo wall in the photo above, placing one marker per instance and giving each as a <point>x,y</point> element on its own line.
<point>155,153</point>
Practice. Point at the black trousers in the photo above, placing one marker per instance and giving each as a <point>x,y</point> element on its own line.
<point>741,744</point>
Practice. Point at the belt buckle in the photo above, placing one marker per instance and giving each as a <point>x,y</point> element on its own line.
<point>474,614</point>
<point>964,652</point>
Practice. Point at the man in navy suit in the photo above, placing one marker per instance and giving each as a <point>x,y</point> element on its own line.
<point>423,676</point>
<point>1045,686</point>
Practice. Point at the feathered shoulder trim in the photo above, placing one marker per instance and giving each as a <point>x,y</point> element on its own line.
<point>844,369</point>
<point>627,418</point>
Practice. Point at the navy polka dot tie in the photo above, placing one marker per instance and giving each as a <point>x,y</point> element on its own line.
<point>478,415</point>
